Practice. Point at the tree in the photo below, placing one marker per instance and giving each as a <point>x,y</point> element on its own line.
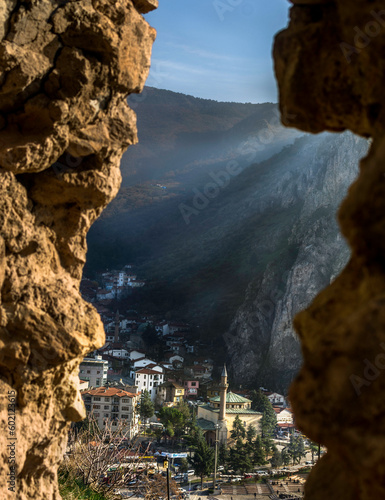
<point>268,445</point>
<point>203,460</point>
<point>145,407</point>
<point>172,417</point>
<point>239,460</point>
<point>183,407</point>
<point>258,456</point>
<point>313,449</point>
<point>239,430</point>
<point>223,455</point>
<point>251,433</point>
<point>183,466</point>
<point>285,457</point>
<point>95,450</point>
<point>261,403</point>
<point>296,448</point>
<point>276,459</point>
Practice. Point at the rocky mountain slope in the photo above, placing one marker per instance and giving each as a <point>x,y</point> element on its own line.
<point>244,235</point>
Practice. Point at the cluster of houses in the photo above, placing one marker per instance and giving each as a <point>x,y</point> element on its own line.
<point>113,378</point>
<point>114,284</point>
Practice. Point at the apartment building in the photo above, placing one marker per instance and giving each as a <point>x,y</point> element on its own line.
<point>113,405</point>
<point>94,370</point>
<point>149,380</point>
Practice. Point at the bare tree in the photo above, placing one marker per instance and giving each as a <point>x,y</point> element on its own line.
<point>106,460</point>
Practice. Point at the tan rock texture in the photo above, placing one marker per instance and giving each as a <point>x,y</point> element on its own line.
<point>66,68</point>
<point>331,69</point>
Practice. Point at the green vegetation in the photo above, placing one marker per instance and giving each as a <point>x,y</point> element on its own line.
<point>175,420</point>
<point>72,488</point>
<point>203,460</point>
<point>296,448</point>
<point>261,403</point>
<point>145,407</point>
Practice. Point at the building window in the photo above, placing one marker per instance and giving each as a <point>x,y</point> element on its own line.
<point>98,381</point>
<point>96,406</point>
<point>124,417</point>
<point>98,372</point>
<point>193,384</point>
<point>96,399</point>
<point>125,408</point>
<point>106,415</point>
<point>88,371</point>
<point>106,407</point>
<point>96,415</point>
<point>106,399</point>
<point>125,400</point>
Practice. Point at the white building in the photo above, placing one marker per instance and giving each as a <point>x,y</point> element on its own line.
<point>94,370</point>
<point>113,406</point>
<point>142,363</point>
<point>149,380</point>
<point>285,417</point>
<point>276,399</point>
<point>117,353</point>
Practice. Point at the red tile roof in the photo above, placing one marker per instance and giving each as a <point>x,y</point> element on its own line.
<point>109,392</point>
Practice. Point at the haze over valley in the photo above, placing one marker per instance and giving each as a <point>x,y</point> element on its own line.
<point>231,219</point>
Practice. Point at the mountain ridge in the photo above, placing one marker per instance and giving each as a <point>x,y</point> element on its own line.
<point>237,245</point>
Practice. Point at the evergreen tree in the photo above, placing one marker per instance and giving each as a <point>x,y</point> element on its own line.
<point>261,403</point>
<point>258,456</point>
<point>313,449</point>
<point>223,455</point>
<point>239,460</point>
<point>296,448</point>
<point>285,457</point>
<point>276,459</point>
<point>203,460</point>
<point>239,430</point>
<point>268,445</point>
<point>251,433</point>
<point>145,408</point>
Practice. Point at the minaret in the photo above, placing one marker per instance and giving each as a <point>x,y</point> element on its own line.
<point>222,431</point>
<point>222,395</point>
<point>117,322</point>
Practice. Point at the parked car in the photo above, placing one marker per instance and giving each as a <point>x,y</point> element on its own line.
<point>191,472</point>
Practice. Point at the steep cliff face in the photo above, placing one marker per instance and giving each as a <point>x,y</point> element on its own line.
<point>304,257</point>
<point>66,69</point>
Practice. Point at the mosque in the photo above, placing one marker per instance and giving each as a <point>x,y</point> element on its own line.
<point>220,413</point>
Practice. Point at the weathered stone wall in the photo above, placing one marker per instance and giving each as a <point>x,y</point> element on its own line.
<point>331,69</point>
<point>66,68</point>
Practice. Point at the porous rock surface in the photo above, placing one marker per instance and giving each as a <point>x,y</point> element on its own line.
<point>66,68</point>
<point>330,69</point>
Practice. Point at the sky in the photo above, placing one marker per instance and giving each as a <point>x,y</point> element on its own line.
<point>217,49</point>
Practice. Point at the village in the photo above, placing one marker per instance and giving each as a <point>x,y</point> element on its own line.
<point>148,359</point>
<point>147,352</point>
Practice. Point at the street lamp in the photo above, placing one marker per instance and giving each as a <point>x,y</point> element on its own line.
<point>217,426</point>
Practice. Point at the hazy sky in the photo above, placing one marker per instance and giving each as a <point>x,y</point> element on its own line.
<point>217,49</point>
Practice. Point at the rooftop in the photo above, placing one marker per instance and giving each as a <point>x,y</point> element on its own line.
<point>231,397</point>
<point>147,371</point>
<point>109,392</point>
<point>239,411</point>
